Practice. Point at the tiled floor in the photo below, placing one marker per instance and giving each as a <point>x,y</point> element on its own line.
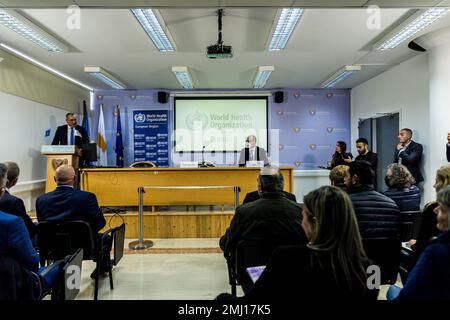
<point>166,276</point>
<point>162,276</point>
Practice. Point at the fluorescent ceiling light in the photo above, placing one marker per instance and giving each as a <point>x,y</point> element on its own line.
<point>341,75</point>
<point>183,76</point>
<point>155,28</point>
<point>18,23</point>
<point>410,27</point>
<point>287,20</point>
<point>105,77</point>
<point>43,66</point>
<point>262,76</point>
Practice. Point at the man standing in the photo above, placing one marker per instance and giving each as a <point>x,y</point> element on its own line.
<point>362,146</point>
<point>252,153</point>
<point>448,147</point>
<point>70,133</point>
<point>409,154</point>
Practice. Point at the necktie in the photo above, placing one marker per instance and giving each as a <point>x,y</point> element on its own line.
<point>72,137</point>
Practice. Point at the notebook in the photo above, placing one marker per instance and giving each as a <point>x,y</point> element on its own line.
<point>255,272</point>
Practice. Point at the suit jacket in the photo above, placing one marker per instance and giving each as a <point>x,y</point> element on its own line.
<point>272,217</point>
<point>261,155</point>
<point>253,196</point>
<point>411,159</point>
<point>448,152</point>
<point>13,205</point>
<point>61,136</point>
<point>290,275</point>
<point>68,204</point>
<point>15,242</point>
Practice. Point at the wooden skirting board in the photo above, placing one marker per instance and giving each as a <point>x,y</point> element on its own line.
<point>173,225</point>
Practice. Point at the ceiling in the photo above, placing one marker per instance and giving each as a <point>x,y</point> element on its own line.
<point>325,40</point>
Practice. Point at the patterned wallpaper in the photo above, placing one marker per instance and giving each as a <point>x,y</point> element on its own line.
<point>309,122</point>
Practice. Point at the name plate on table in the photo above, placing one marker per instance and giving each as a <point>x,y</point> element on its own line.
<point>255,164</point>
<point>58,149</point>
<point>189,164</point>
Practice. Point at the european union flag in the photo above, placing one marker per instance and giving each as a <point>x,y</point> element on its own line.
<point>119,143</point>
<point>85,122</point>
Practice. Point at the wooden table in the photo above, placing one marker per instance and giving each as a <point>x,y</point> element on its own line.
<point>119,186</point>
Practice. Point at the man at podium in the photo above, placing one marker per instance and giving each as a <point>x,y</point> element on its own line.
<point>70,133</point>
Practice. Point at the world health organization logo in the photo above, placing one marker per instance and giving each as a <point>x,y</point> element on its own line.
<point>139,117</point>
<point>197,118</point>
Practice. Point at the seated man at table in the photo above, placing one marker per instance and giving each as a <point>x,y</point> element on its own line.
<point>273,217</point>
<point>66,203</point>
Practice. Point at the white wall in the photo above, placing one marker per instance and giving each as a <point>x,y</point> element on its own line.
<point>403,88</point>
<point>22,132</point>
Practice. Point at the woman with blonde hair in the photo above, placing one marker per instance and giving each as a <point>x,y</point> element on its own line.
<point>331,266</point>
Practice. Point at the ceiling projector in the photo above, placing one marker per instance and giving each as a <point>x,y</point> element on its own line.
<point>219,50</point>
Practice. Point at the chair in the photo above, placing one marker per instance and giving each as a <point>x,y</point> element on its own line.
<point>59,239</point>
<point>384,252</point>
<point>248,253</point>
<point>143,164</point>
<point>409,223</point>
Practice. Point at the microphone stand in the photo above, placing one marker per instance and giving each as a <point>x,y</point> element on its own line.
<point>203,164</point>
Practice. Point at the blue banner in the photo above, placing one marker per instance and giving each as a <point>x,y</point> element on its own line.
<point>151,136</point>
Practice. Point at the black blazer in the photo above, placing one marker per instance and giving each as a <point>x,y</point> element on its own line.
<point>13,205</point>
<point>411,159</point>
<point>61,136</point>
<point>253,196</point>
<point>448,152</point>
<point>272,217</point>
<point>261,155</point>
<point>69,204</point>
<point>289,275</point>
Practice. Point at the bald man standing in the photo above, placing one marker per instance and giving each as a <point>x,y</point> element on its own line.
<point>66,203</point>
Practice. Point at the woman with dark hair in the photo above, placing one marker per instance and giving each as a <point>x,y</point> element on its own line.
<point>340,156</point>
<point>401,188</point>
<point>331,266</point>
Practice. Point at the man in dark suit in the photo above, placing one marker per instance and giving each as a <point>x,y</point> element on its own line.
<point>254,195</point>
<point>12,204</point>
<point>252,153</point>
<point>409,154</point>
<point>70,133</point>
<point>448,147</point>
<point>66,203</point>
<point>273,217</point>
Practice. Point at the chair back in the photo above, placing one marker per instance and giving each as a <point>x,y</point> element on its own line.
<point>56,240</point>
<point>252,253</point>
<point>72,275</point>
<point>118,236</point>
<point>143,164</point>
<point>409,223</point>
<point>384,252</point>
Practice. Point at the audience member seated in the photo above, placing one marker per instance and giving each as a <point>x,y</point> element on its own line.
<point>340,156</point>
<point>428,229</point>
<point>337,176</point>
<point>378,216</point>
<point>430,278</point>
<point>13,205</point>
<point>30,281</point>
<point>332,266</point>
<point>401,188</point>
<point>272,217</point>
<point>66,203</point>
<point>255,195</point>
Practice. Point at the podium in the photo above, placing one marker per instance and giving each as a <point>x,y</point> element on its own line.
<point>57,156</point>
